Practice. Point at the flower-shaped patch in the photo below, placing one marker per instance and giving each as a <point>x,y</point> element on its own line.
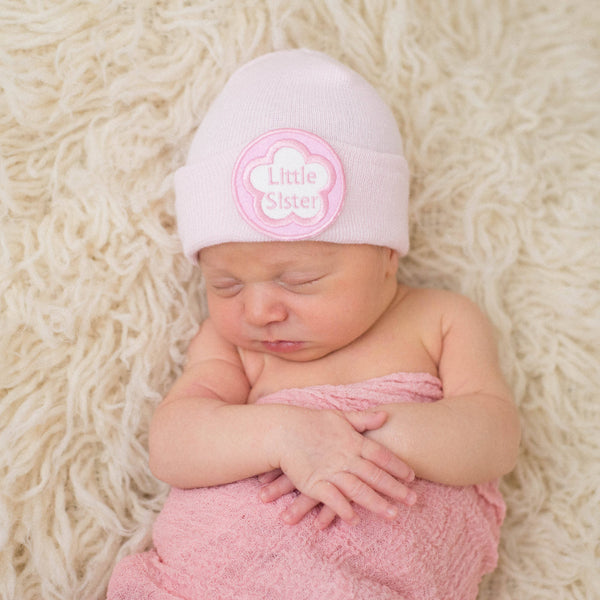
<point>289,184</point>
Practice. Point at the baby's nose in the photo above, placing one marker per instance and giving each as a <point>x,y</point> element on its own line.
<point>262,306</point>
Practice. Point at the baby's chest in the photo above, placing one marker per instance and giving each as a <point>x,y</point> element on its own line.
<point>355,363</point>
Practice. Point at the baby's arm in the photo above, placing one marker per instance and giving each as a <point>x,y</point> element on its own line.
<point>471,435</point>
<point>181,431</point>
<point>204,433</point>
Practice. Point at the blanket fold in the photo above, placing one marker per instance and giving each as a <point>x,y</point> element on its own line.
<point>223,542</point>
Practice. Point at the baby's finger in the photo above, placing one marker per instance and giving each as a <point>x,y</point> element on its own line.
<point>365,420</point>
<point>362,494</point>
<point>269,476</point>
<point>325,518</point>
<point>385,459</point>
<point>277,488</point>
<point>298,509</point>
<point>382,482</point>
<point>331,496</point>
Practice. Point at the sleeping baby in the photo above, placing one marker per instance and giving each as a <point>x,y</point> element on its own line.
<point>335,433</point>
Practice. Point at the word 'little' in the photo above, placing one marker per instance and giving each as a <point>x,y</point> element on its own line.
<point>301,176</point>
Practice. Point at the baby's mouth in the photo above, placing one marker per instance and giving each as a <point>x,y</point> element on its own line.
<point>282,346</point>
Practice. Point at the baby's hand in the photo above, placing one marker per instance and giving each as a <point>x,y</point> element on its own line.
<point>336,465</point>
<point>277,484</point>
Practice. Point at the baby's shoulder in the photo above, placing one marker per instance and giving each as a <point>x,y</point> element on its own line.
<point>433,303</point>
<point>208,345</point>
<point>428,315</point>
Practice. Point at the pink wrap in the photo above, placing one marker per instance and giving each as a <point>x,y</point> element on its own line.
<point>224,543</point>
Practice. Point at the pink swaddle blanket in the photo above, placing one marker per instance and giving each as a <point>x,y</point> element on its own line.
<point>224,543</point>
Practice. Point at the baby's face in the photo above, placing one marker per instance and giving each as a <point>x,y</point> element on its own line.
<point>297,300</point>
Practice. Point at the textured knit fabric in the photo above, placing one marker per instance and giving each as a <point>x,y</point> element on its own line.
<point>223,542</point>
<point>298,92</point>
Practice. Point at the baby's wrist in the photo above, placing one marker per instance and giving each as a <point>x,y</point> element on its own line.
<point>276,439</point>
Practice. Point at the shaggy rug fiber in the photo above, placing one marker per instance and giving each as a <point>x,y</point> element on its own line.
<point>498,102</point>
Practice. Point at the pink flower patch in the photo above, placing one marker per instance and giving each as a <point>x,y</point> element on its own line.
<point>289,184</point>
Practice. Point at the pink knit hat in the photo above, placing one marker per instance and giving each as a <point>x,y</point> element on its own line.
<point>297,146</point>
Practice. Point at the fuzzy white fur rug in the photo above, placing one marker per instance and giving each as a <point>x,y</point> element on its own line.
<point>498,102</point>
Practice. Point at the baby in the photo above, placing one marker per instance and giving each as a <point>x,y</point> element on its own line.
<point>335,433</point>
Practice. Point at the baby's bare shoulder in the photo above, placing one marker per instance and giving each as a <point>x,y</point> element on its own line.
<point>428,316</point>
<point>461,340</point>
<point>438,300</point>
<point>430,307</point>
<point>213,369</point>
<point>208,344</point>
<point>452,310</point>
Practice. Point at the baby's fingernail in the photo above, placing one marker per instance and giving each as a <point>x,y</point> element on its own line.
<point>391,512</point>
<point>321,526</point>
<point>355,520</point>
<point>411,498</point>
<point>286,516</point>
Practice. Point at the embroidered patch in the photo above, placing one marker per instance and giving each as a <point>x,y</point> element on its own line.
<point>289,184</point>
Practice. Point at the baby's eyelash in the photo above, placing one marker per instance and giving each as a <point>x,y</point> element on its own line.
<point>226,287</point>
<point>291,282</point>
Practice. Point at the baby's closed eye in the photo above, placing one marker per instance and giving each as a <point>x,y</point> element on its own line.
<point>225,286</point>
<point>298,281</point>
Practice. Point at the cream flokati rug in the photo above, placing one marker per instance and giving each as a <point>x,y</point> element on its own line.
<point>499,105</point>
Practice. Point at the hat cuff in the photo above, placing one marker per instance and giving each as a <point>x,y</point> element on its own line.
<point>375,204</point>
